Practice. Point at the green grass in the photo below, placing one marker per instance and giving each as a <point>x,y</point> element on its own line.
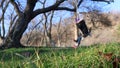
<point>82,57</point>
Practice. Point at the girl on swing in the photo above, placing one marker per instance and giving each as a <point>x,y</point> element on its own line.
<point>84,29</point>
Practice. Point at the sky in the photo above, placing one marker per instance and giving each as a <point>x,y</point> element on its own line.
<point>115,6</point>
<point>105,7</point>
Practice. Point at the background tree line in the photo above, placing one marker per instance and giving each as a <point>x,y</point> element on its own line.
<point>44,31</point>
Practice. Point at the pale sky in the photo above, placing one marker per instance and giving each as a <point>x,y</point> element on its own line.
<point>115,6</point>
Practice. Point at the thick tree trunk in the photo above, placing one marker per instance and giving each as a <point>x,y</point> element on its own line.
<point>13,37</point>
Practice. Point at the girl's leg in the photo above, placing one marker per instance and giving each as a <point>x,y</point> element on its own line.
<point>79,40</point>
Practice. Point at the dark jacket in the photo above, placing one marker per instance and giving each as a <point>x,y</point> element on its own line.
<point>83,27</point>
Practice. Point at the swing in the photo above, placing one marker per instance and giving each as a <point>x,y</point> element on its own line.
<point>81,24</point>
<point>83,27</point>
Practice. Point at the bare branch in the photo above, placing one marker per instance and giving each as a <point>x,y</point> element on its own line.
<point>53,7</point>
<point>41,1</point>
<point>59,25</point>
<point>37,24</point>
<point>52,14</point>
<point>30,6</point>
<point>13,18</point>
<point>4,10</point>
<point>16,7</point>
<point>1,4</point>
<point>2,19</point>
<point>65,8</point>
<point>79,3</point>
<point>108,1</point>
<point>45,26</point>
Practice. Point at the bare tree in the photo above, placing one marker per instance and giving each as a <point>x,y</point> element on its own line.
<point>48,27</point>
<point>58,32</point>
<point>95,16</point>
<point>31,37</point>
<point>2,17</point>
<point>26,15</point>
<point>76,4</point>
<point>63,32</point>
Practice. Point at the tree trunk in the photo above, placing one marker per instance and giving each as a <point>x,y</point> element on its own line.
<point>13,37</point>
<point>50,42</point>
<point>75,31</point>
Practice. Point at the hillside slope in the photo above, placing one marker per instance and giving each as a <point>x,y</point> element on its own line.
<point>103,35</point>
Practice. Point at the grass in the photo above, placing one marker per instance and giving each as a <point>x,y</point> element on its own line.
<point>82,57</point>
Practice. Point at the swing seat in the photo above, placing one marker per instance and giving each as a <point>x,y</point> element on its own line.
<point>83,27</point>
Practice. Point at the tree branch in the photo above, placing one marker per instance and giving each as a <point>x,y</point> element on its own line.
<point>79,3</point>
<point>108,1</point>
<point>1,4</point>
<point>30,6</point>
<point>66,8</point>
<point>3,7</point>
<point>47,9</point>
<point>16,7</point>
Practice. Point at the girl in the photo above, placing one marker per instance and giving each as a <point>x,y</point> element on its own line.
<point>84,29</point>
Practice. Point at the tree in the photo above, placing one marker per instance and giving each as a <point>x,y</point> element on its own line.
<point>24,17</point>
<point>96,17</point>
<point>48,28</point>
<point>2,18</point>
<point>33,34</point>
